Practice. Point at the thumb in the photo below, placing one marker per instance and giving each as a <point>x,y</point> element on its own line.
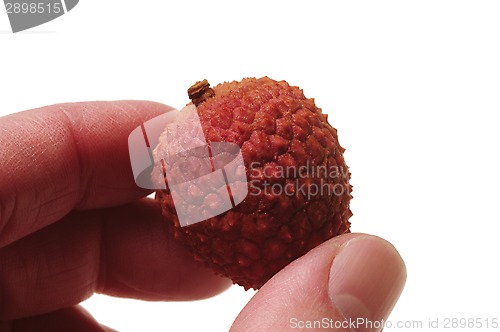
<point>349,283</point>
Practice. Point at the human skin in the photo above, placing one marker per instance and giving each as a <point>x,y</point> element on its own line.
<point>73,222</point>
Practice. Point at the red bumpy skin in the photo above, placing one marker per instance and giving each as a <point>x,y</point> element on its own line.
<point>287,144</point>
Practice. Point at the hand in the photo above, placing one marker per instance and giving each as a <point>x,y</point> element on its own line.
<point>73,222</point>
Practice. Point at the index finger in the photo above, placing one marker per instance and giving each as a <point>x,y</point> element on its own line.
<point>61,157</point>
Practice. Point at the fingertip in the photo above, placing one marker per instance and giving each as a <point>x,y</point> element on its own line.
<point>322,287</point>
<point>367,277</point>
<point>297,295</point>
<point>144,261</point>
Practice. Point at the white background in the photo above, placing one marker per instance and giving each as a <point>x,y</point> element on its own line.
<point>413,88</point>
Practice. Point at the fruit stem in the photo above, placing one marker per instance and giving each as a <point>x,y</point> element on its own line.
<point>200,91</point>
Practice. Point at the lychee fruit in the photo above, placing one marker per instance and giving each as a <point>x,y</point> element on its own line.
<point>297,182</point>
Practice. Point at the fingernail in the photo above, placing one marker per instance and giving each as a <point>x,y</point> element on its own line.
<point>366,279</point>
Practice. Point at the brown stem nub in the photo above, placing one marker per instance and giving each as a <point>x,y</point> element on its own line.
<point>200,91</point>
